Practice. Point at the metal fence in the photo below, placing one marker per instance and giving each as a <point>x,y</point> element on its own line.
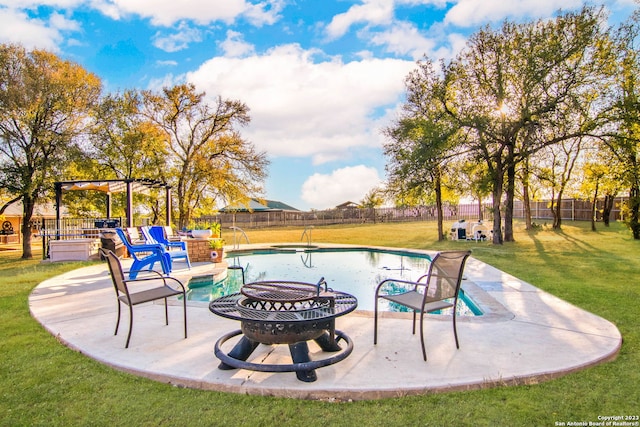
<point>70,228</point>
<point>73,227</point>
<point>570,209</point>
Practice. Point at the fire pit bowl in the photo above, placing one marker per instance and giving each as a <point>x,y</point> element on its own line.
<point>281,312</point>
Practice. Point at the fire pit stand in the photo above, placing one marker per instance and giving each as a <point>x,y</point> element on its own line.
<point>281,312</point>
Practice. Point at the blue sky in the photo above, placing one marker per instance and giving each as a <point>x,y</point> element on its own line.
<point>321,77</point>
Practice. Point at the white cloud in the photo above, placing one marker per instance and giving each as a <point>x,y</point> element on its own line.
<point>401,38</point>
<point>17,27</point>
<point>30,4</point>
<point>404,38</point>
<point>265,13</point>
<point>168,80</point>
<point>167,63</point>
<point>179,40</point>
<point>470,13</point>
<point>347,184</point>
<point>60,22</point>
<point>106,8</point>
<point>167,12</point>
<point>437,3</point>
<point>376,12</point>
<point>234,45</point>
<point>304,108</point>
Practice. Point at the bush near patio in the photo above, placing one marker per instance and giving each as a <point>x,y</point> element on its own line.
<point>45,383</point>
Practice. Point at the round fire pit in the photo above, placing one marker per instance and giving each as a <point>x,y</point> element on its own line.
<point>282,312</point>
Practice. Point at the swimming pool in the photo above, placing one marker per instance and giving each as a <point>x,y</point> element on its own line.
<point>353,270</point>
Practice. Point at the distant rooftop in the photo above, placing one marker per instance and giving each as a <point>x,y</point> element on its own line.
<point>348,205</point>
<point>259,205</point>
<point>41,210</point>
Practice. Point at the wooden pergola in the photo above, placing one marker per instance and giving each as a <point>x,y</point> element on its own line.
<point>111,186</point>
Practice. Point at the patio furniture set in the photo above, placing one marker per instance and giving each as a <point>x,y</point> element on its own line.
<point>462,230</point>
<point>282,312</point>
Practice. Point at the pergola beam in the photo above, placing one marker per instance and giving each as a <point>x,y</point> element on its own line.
<point>109,186</point>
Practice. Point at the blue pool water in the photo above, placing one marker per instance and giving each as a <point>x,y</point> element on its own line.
<point>355,271</point>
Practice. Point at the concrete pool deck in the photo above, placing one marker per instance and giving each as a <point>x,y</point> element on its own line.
<point>526,336</point>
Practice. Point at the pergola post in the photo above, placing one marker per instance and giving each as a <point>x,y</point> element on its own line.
<point>167,192</point>
<point>129,204</point>
<point>108,203</point>
<point>58,188</point>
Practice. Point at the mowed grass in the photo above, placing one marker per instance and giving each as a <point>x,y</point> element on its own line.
<point>44,383</point>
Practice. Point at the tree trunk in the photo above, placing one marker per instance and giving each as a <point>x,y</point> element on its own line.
<point>552,205</point>
<point>557,212</point>
<point>634,211</point>
<point>438,191</point>
<point>607,208</point>
<point>497,218</point>
<point>27,213</point>
<point>155,211</point>
<point>184,214</point>
<point>508,209</point>
<point>498,179</point>
<point>527,208</point>
<point>526,200</point>
<point>480,213</point>
<point>594,208</point>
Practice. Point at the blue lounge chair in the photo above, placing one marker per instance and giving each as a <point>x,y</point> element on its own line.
<point>175,250</point>
<point>158,232</point>
<point>145,256</point>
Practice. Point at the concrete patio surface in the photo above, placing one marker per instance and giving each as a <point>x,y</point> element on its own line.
<point>525,336</point>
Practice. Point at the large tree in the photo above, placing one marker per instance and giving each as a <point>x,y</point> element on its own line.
<point>624,141</point>
<point>525,87</point>
<point>208,158</point>
<point>472,179</point>
<point>561,160</point>
<point>44,102</point>
<point>125,142</point>
<point>423,141</point>
<point>127,145</point>
<point>601,177</point>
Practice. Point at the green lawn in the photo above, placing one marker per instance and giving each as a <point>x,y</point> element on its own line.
<point>44,383</point>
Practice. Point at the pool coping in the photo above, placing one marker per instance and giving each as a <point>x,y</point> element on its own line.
<point>492,310</point>
<point>527,336</point>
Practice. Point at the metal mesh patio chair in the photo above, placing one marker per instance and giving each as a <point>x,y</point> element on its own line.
<point>130,299</point>
<point>436,290</point>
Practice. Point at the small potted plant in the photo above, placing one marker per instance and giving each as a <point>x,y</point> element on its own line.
<point>217,249</point>
<point>205,230</point>
<point>215,229</point>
